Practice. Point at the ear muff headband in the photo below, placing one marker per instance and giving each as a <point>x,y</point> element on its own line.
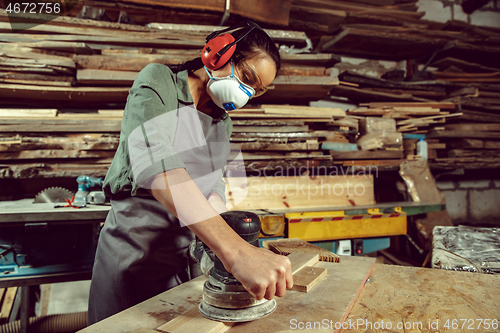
<point>221,46</point>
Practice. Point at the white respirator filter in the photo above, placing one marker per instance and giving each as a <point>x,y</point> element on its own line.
<point>228,92</point>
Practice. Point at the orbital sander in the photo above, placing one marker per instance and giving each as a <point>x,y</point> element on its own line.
<point>224,297</point>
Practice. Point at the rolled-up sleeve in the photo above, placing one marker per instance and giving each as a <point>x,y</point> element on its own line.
<point>150,143</point>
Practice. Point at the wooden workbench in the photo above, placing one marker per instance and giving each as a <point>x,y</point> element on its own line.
<point>392,294</point>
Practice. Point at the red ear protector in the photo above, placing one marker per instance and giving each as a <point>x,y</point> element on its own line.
<point>220,46</point>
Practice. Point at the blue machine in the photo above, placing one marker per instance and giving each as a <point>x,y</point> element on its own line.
<point>46,247</point>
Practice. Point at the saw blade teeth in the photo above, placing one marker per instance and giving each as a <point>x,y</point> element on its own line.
<point>53,194</point>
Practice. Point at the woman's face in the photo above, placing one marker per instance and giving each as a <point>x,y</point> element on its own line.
<point>257,72</point>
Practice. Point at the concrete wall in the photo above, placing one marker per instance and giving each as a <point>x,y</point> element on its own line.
<point>472,202</point>
<point>445,10</point>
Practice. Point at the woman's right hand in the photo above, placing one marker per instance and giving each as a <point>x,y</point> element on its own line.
<point>262,273</point>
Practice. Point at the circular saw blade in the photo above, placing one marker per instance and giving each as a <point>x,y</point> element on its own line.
<point>53,194</point>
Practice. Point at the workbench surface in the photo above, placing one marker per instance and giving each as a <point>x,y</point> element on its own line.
<point>394,294</point>
<point>25,210</point>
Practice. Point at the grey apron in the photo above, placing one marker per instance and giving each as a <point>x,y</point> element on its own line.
<point>142,246</point>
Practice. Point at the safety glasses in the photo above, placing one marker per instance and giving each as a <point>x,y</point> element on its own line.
<point>248,75</point>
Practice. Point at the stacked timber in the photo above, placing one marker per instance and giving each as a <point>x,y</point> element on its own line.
<point>410,61</point>
<point>470,145</point>
<point>70,62</point>
<point>281,137</point>
<point>55,143</point>
<point>46,143</point>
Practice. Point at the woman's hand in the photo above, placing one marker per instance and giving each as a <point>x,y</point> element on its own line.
<point>262,273</point>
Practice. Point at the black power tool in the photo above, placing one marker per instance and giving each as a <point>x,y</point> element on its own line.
<point>224,297</point>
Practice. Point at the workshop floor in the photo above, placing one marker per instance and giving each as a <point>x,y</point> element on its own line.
<point>66,297</point>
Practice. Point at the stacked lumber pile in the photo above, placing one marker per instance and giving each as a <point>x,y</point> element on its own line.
<point>412,117</point>
<point>284,137</point>
<point>389,55</point>
<point>388,133</point>
<point>55,143</point>
<point>470,145</point>
<point>45,143</point>
<point>70,62</point>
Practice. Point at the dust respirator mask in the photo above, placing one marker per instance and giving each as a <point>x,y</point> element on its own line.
<point>228,92</point>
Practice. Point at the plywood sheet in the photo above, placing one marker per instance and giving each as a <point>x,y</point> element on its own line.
<point>397,294</point>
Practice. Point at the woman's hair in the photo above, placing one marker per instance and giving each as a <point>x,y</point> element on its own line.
<point>256,44</point>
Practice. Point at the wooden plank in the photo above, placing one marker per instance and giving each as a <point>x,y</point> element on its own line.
<point>366,154</point>
<point>275,12</point>
<point>305,279</point>
<point>268,146</point>
<point>303,110</point>
<point>439,105</point>
<point>192,322</point>
<point>300,260</point>
<point>454,153</point>
<point>286,246</point>
<point>60,125</point>
<point>421,120</point>
<point>474,127</point>
<point>473,144</point>
<point>55,153</point>
<point>105,77</point>
<point>447,62</point>
<point>462,134</point>
<point>270,129</point>
<point>298,192</point>
<point>8,302</point>
<point>2,291</point>
<point>27,113</point>
<point>73,94</point>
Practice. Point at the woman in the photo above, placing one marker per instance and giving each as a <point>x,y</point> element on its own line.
<point>174,144</point>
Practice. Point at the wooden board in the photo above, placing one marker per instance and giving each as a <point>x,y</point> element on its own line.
<point>305,279</point>
<point>193,322</point>
<point>286,246</point>
<point>300,260</point>
<point>298,192</point>
<point>462,134</point>
<point>397,294</point>
<point>473,144</point>
<point>8,302</point>
<point>474,127</point>
<point>366,154</point>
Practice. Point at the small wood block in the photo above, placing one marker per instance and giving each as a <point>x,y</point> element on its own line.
<point>286,246</point>
<point>305,279</point>
<point>193,322</point>
<point>300,260</point>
